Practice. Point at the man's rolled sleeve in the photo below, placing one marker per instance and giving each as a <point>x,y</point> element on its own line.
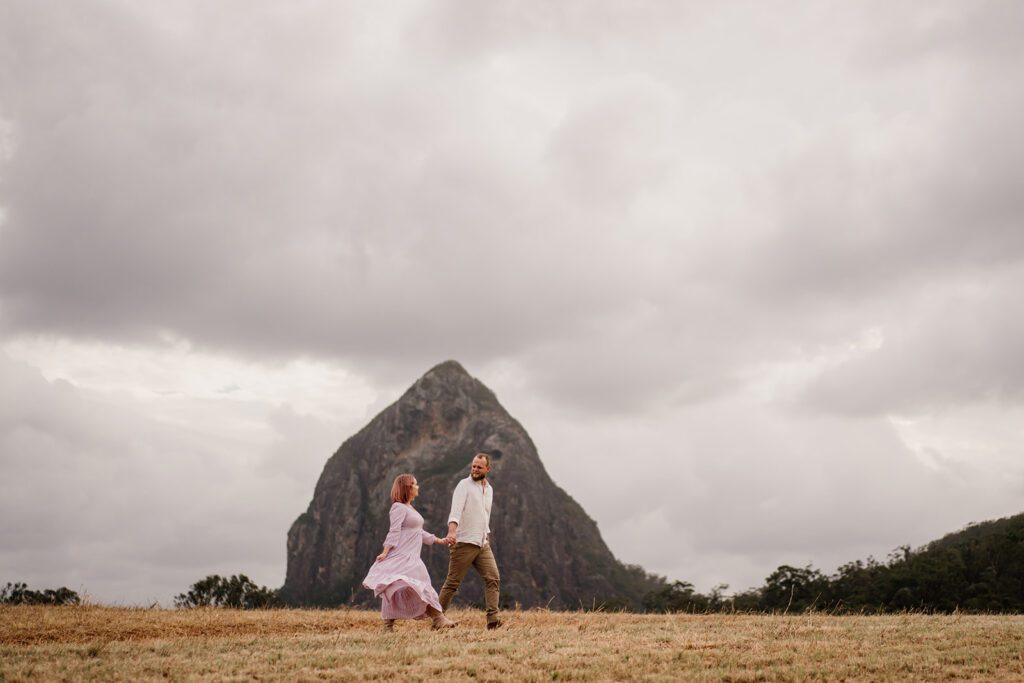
<point>458,504</point>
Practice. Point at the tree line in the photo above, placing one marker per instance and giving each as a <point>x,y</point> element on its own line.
<point>238,591</point>
<point>977,569</point>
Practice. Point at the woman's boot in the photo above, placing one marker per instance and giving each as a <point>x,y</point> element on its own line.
<point>438,620</point>
<point>389,625</point>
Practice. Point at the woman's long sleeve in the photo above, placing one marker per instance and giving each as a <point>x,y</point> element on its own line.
<point>398,512</point>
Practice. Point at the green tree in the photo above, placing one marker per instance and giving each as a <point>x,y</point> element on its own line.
<point>238,591</point>
<point>678,596</point>
<point>20,594</point>
<point>795,588</point>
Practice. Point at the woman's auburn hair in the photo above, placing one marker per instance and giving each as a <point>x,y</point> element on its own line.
<point>401,490</point>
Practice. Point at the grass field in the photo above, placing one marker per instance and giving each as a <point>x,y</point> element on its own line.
<point>103,643</point>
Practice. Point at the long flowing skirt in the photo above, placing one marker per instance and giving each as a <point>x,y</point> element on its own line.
<point>403,585</point>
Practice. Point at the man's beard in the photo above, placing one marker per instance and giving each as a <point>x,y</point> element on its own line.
<point>478,477</point>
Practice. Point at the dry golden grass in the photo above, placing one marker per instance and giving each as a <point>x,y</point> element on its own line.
<point>101,643</point>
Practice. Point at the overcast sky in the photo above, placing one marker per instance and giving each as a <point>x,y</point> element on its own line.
<point>749,273</point>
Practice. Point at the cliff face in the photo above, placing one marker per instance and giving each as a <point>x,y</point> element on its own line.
<point>549,551</point>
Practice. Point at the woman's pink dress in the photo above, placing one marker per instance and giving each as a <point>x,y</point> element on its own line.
<point>401,580</point>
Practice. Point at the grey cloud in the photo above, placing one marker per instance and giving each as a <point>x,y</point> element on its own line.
<point>917,187</point>
<point>456,33</point>
<point>980,31</point>
<point>617,140</point>
<point>274,186</point>
<point>262,221</point>
<point>738,488</point>
<point>627,365</point>
<point>110,497</point>
<point>964,347</point>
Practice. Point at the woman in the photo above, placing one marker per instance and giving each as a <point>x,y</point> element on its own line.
<point>399,576</point>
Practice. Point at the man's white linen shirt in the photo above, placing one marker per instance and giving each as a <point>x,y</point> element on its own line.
<point>471,510</point>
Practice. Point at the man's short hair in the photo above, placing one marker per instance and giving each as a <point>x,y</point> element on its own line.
<point>485,456</point>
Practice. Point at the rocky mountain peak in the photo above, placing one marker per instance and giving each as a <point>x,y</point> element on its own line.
<point>449,368</point>
<point>448,386</point>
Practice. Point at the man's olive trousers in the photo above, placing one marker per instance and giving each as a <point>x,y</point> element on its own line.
<point>466,555</point>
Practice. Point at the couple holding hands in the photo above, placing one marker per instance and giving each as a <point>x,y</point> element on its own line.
<point>399,577</point>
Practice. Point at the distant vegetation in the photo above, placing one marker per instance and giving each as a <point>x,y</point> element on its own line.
<point>238,591</point>
<point>978,569</point>
<point>20,594</point>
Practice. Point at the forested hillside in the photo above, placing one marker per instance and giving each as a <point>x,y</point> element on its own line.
<point>977,569</point>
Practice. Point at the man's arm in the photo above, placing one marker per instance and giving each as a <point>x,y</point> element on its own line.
<point>458,504</point>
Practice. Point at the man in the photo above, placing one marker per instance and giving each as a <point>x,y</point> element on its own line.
<point>469,529</point>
